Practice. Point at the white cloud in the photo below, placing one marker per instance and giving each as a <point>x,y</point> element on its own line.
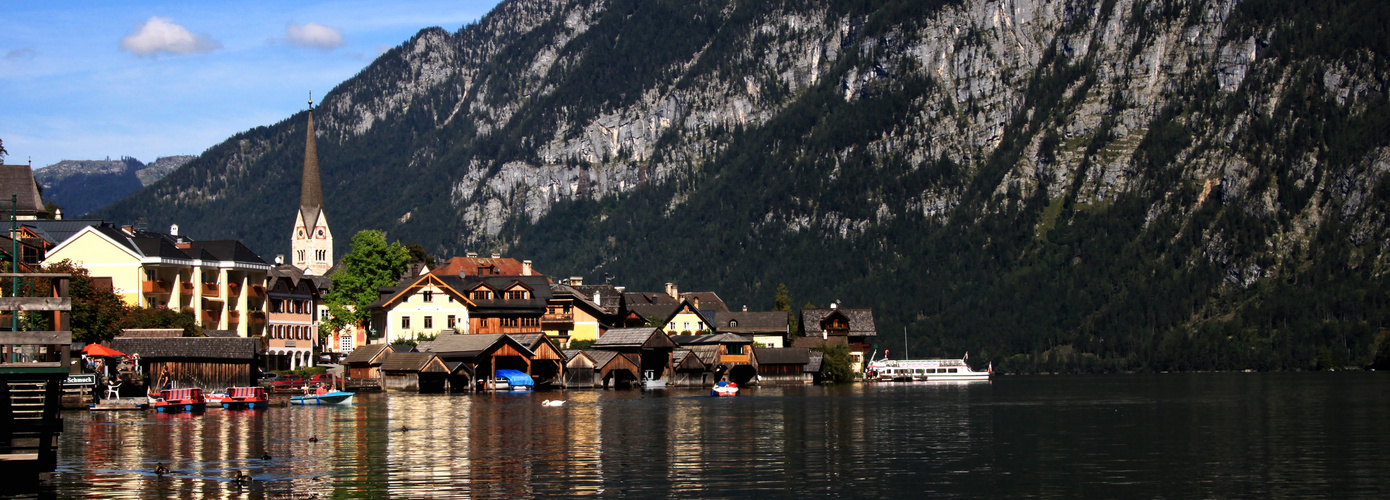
<point>314,35</point>
<point>159,34</point>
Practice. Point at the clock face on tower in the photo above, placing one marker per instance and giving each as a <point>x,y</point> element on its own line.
<point>300,233</point>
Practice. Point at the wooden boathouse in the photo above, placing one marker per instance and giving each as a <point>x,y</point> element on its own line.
<point>32,370</point>
<point>650,347</point>
<point>413,372</point>
<point>606,369</point>
<point>209,363</point>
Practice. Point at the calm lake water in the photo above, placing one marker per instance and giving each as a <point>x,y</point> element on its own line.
<point>1128,436</point>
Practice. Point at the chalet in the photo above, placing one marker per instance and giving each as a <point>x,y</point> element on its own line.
<point>414,372</point>
<point>839,326</point>
<point>573,316</point>
<point>768,328</point>
<point>783,366</point>
<point>506,304</point>
<point>421,306</point>
<point>650,347</point>
<point>203,362</point>
<point>732,359</point>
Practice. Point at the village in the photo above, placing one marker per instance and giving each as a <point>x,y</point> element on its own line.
<point>449,328</point>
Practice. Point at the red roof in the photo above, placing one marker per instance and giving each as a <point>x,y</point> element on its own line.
<point>470,266</point>
<point>98,350</point>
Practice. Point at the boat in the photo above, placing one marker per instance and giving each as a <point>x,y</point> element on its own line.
<point>324,396</point>
<point>251,398</point>
<point>331,398</point>
<point>650,380</point>
<point>926,370</point>
<point>173,400</point>
<point>510,380</point>
<point>724,389</point>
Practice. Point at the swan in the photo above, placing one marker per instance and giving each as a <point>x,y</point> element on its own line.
<point>558,402</point>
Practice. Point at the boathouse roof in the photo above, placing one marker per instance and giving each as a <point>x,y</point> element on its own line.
<point>238,348</point>
<point>721,338</point>
<point>634,337</point>
<point>782,356</point>
<point>413,362</point>
<point>366,354</point>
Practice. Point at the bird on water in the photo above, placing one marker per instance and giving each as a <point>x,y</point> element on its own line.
<point>265,456</point>
<point>314,438</point>
<point>241,478</point>
<point>160,469</point>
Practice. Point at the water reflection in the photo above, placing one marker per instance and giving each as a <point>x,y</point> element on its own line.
<point>1173,436</point>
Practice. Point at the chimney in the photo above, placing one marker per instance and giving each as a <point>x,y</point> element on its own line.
<point>525,268</point>
<point>745,308</point>
<point>58,214</point>
<point>496,255</point>
<point>279,259</point>
<point>695,301</point>
<point>673,291</point>
<point>576,281</point>
<point>471,255</point>
<point>128,230</point>
<point>597,299</point>
<point>173,229</point>
<point>834,305</point>
<point>620,289</point>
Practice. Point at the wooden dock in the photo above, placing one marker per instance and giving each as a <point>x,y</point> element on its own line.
<point>121,404</point>
<point>33,366</point>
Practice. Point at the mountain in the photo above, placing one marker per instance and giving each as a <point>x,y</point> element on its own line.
<point>82,186</point>
<point>1082,185</point>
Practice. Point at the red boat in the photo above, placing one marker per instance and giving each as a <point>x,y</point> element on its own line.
<point>251,398</point>
<point>173,400</point>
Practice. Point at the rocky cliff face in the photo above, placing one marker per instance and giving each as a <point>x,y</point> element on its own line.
<point>82,186</point>
<point>1230,142</point>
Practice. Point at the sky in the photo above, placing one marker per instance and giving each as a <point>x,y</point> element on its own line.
<point>87,80</point>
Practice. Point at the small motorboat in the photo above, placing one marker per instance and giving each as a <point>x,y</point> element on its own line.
<point>724,389</point>
<point>173,400</point>
<point>250,398</point>
<point>322,396</point>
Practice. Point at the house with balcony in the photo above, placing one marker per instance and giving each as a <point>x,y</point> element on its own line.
<point>570,315</point>
<point>291,318</point>
<point>766,328</point>
<point>839,326</point>
<point>506,304</point>
<point>220,281</point>
<point>423,307</point>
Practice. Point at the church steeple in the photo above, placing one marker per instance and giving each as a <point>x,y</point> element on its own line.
<point>310,193</point>
<point>311,247</point>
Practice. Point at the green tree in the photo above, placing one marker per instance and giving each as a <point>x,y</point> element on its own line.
<point>834,366</point>
<point>3,153</point>
<point>783,302</point>
<point>370,264</point>
<point>96,313</point>
<point>418,254</point>
<point>162,317</point>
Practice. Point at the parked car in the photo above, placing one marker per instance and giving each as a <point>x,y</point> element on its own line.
<point>288,380</point>
<point>269,376</point>
<point>325,378</point>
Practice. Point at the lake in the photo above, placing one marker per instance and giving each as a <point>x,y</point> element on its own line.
<point>1147,436</point>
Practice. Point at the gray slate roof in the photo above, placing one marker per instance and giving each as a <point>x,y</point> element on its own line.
<point>407,361</point>
<point>783,356</point>
<point>630,337</point>
<point>814,362</point>
<point>237,348</point>
<point>19,180</point>
<point>720,338</point>
<point>749,322</point>
<point>364,354</point>
<point>861,321</point>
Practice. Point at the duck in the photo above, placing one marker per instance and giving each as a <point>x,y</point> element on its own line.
<point>160,469</point>
<point>404,428</point>
<point>241,478</point>
<point>558,402</point>
<point>314,438</point>
<point>266,456</point>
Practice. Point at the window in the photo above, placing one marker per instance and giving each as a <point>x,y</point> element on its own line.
<point>700,325</point>
<point>687,325</point>
<point>509,322</point>
<point>516,295</point>
<point>451,321</point>
<point>673,326</point>
<point>299,256</point>
<point>733,323</point>
<point>429,297</point>
<point>405,322</point>
<point>736,349</point>
<point>482,295</point>
<point>429,322</point>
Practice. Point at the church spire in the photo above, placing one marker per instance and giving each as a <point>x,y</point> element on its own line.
<point>310,193</point>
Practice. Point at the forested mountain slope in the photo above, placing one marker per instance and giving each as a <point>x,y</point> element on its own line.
<point>1054,185</point>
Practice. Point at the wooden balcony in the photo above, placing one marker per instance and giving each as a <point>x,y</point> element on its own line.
<point>258,291</point>
<point>233,289</point>
<point>211,315</point>
<point>211,289</point>
<point>233,316</point>
<point>186,286</point>
<point>258,317</point>
<point>557,319</point>
<point>735,359</point>
<point>155,286</point>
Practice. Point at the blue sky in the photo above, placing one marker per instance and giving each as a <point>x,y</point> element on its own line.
<point>91,79</point>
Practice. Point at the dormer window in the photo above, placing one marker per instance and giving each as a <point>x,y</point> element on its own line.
<point>482,295</point>
<point>517,295</point>
<point>733,323</point>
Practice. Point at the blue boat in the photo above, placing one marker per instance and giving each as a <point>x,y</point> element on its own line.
<point>516,380</point>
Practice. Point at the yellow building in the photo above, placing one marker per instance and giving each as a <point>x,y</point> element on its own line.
<point>222,282</point>
<point>572,316</point>
<point>424,307</point>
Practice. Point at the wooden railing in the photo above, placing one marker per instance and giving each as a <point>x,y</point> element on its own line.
<point>155,286</point>
<point>558,318</point>
<point>32,369</point>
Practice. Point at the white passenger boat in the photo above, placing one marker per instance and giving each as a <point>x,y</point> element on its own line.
<point>925,370</point>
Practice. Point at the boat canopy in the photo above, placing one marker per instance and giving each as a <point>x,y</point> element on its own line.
<point>516,378</point>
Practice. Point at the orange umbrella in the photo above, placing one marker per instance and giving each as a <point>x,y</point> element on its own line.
<point>99,351</point>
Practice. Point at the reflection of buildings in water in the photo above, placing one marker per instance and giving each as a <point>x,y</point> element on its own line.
<point>582,421</point>
<point>433,456</point>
